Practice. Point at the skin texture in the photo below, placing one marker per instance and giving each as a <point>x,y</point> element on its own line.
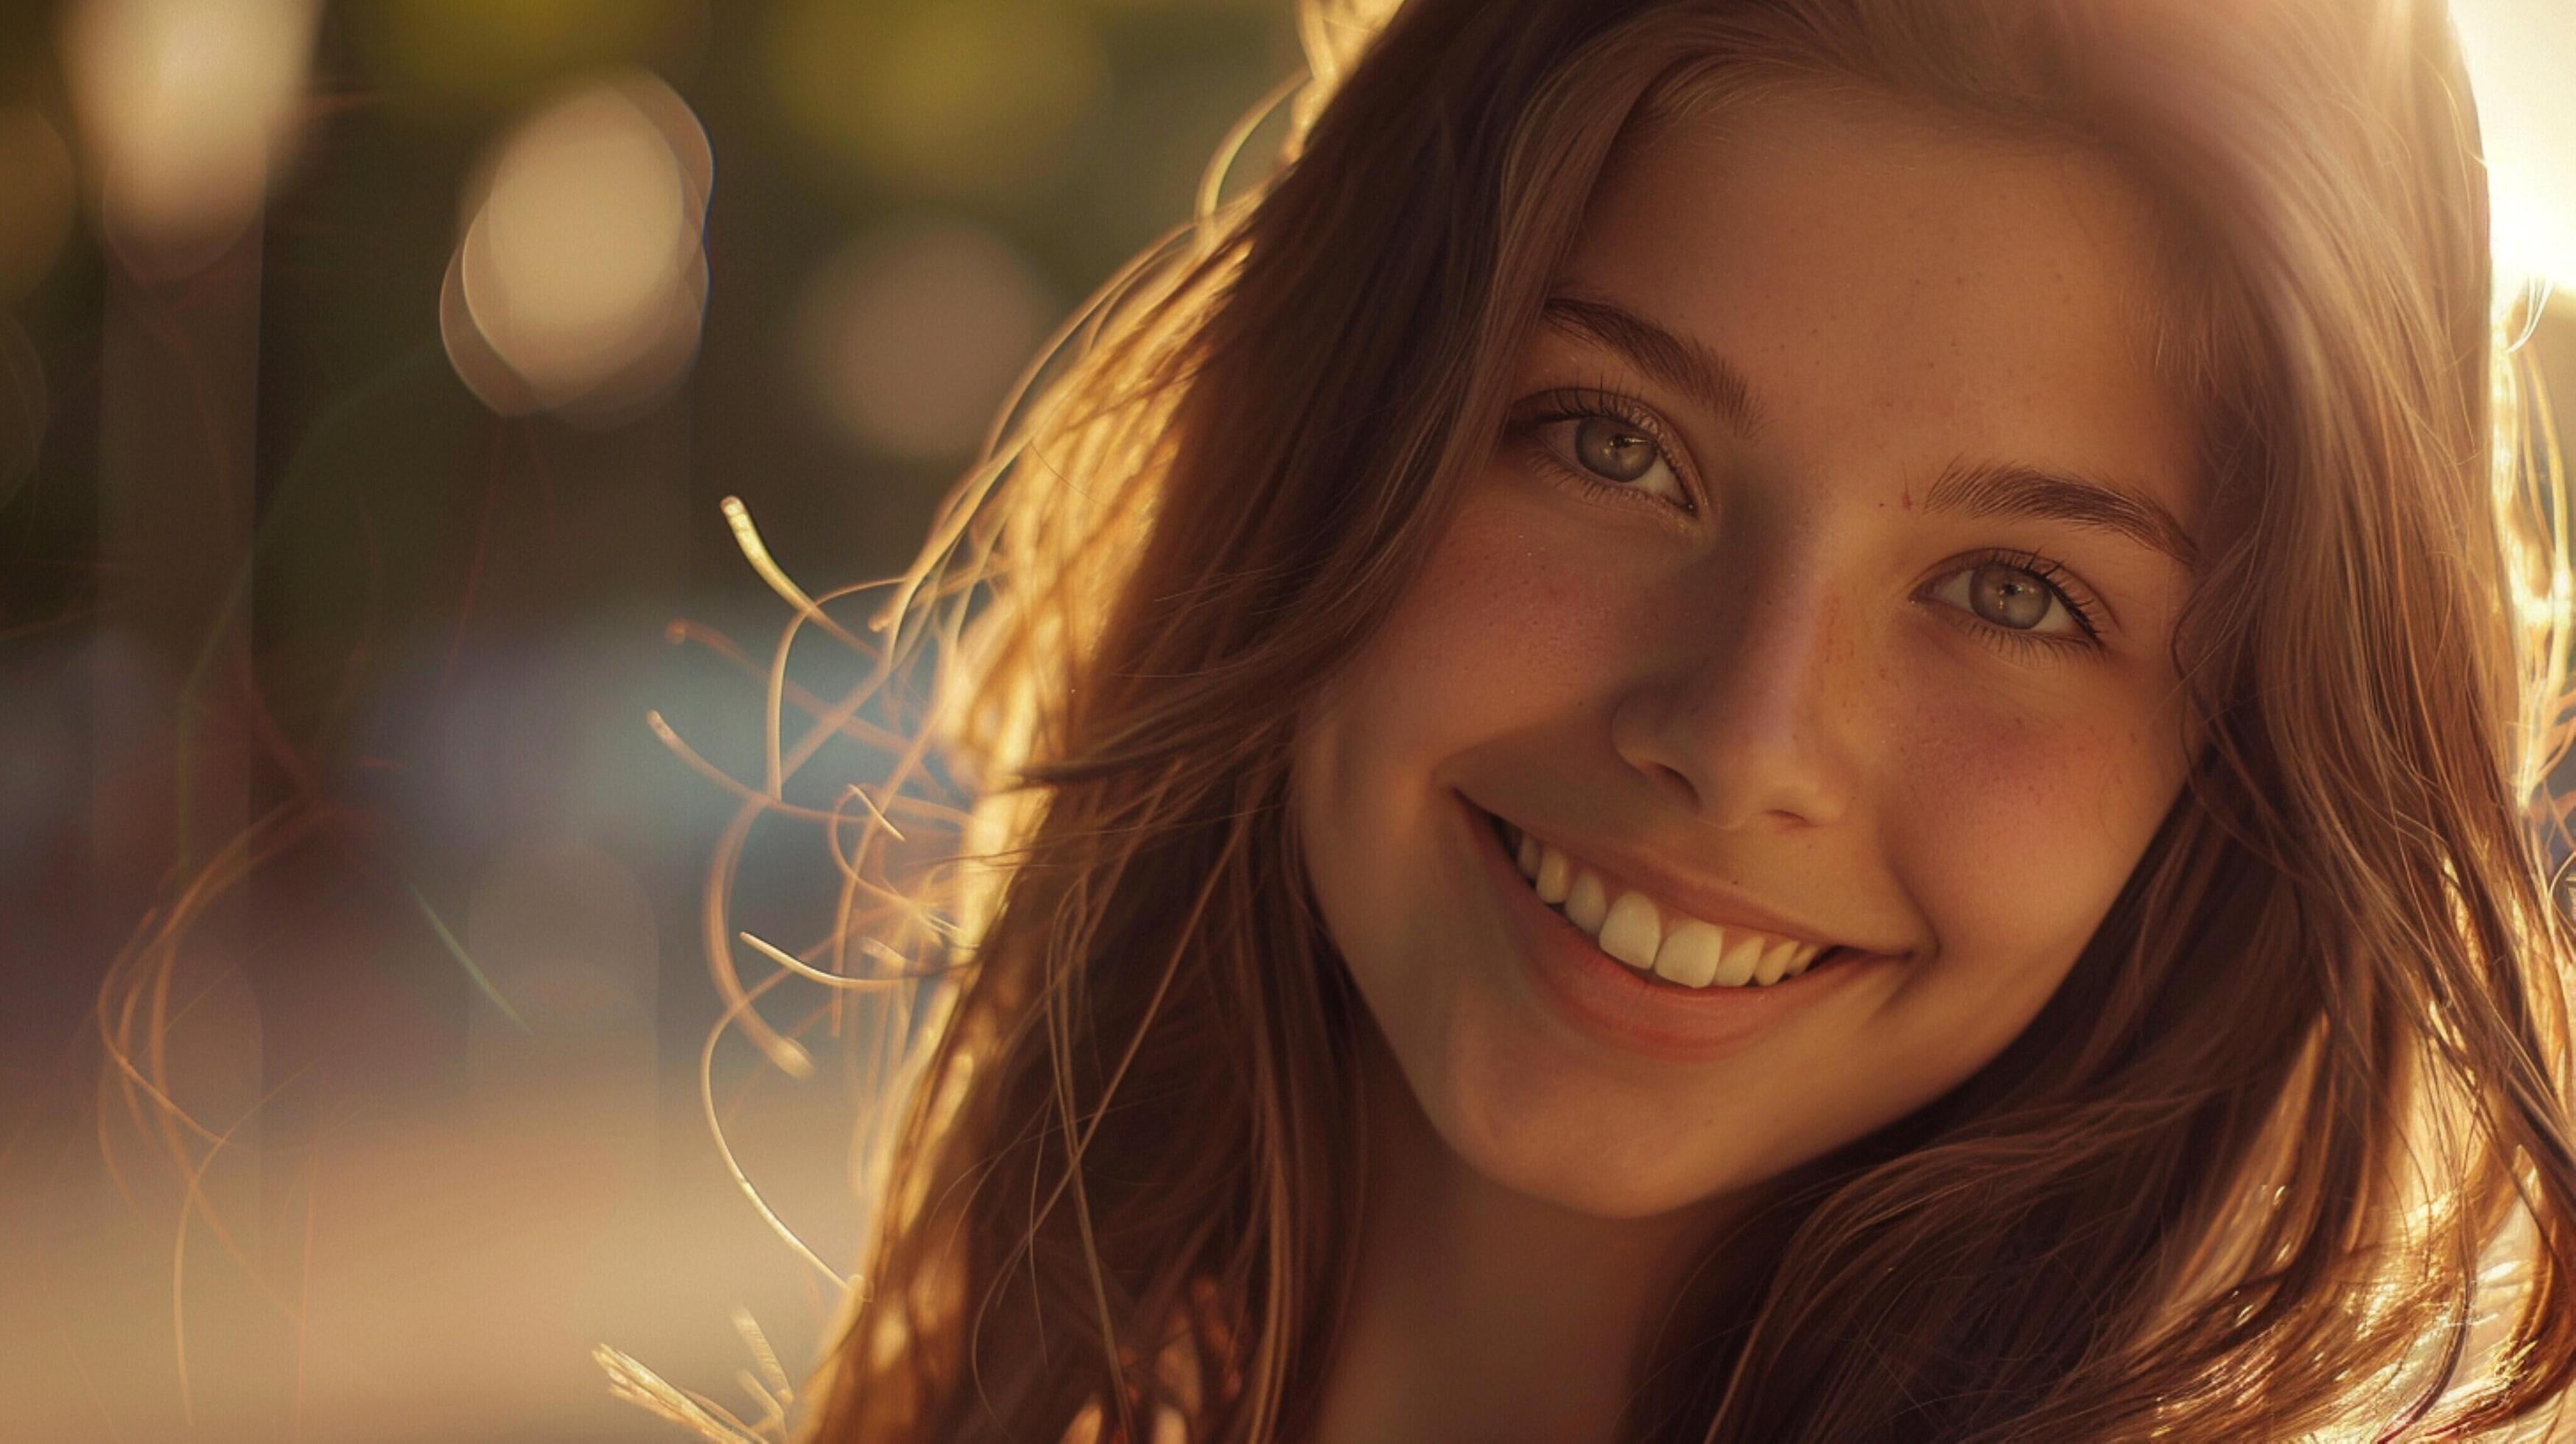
<point>1783,692</point>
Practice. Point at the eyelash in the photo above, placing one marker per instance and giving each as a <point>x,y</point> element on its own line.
<point>2070,593</point>
<point>1579,403</point>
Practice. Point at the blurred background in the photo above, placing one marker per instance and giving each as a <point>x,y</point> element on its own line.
<point>370,377</point>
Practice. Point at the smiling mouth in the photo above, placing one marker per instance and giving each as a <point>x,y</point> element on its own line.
<point>1651,937</point>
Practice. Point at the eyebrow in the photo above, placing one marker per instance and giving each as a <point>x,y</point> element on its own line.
<point>1683,365</point>
<point>1984,489</point>
<point>2003,489</point>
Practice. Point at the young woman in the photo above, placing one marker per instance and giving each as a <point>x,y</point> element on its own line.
<point>1760,720</point>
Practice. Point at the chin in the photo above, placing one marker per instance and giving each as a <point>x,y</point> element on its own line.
<point>1573,1145</point>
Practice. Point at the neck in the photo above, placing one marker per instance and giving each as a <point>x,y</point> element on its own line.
<point>1480,1313</point>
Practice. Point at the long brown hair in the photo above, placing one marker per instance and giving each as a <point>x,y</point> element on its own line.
<point>2243,1177</point>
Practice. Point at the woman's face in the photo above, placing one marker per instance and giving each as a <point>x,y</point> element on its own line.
<point>1819,593</point>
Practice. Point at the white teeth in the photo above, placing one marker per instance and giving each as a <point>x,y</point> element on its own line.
<point>1587,904</point>
<point>1631,933</point>
<point>1689,954</point>
<point>1634,930</point>
<point>1735,967</point>
<point>1775,961</point>
<point>1555,875</point>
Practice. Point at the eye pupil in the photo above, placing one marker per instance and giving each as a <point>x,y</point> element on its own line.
<point>1613,448</point>
<point>2008,596</point>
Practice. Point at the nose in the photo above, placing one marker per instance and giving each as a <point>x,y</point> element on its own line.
<point>1742,721</point>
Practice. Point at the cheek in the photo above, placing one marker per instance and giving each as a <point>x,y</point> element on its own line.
<point>1497,639</point>
<point>1503,629</point>
<point>2019,823</point>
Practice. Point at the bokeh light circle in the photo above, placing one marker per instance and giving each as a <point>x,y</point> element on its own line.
<point>187,110</point>
<point>910,338</point>
<point>581,280</point>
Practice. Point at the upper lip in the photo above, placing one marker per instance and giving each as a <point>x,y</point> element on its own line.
<point>1705,901</point>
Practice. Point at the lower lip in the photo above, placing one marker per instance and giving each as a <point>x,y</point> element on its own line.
<point>1606,1000</point>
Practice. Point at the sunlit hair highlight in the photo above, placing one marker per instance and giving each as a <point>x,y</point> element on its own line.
<point>2252,1174</point>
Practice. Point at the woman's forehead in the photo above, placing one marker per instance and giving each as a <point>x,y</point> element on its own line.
<point>1879,278</point>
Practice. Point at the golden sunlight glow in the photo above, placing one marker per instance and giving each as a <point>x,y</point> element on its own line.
<point>581,280</point>
<point>2525,479</point>
<point>2519,54</point>
<point>185,109</point>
